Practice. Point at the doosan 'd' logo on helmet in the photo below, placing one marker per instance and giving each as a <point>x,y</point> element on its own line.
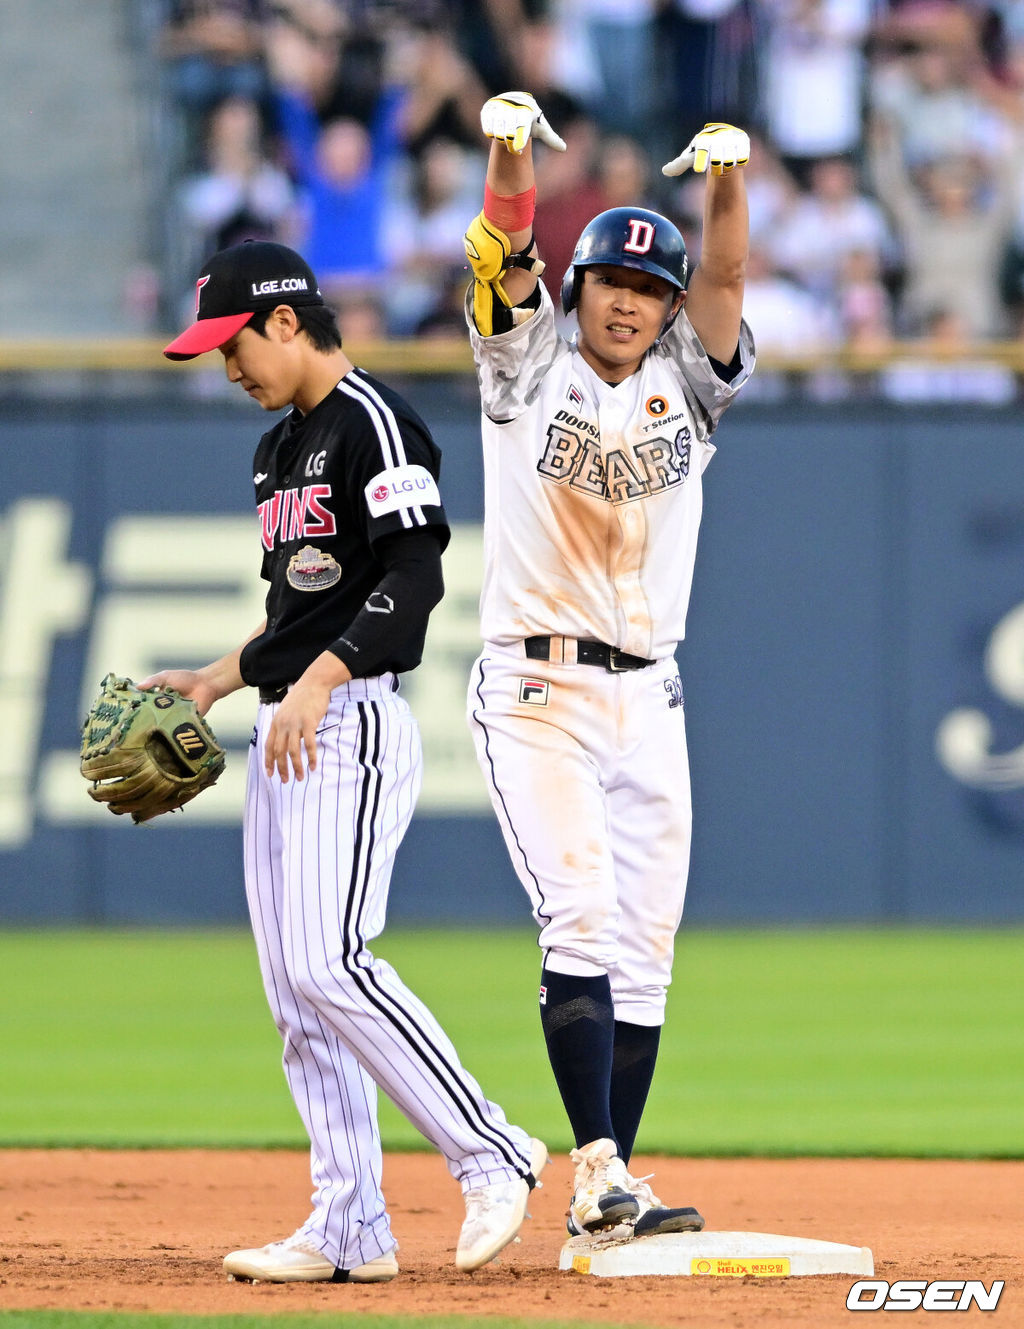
<point>641,236</point>
<point>274,285</point>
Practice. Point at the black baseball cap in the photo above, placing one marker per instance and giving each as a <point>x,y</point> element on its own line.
<point>235,284</point>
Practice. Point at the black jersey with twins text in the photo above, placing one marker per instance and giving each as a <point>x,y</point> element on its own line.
<point>329,485</point>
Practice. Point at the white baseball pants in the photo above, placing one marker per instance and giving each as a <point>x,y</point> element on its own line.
<point>318,860</point>
<point>588,775</point>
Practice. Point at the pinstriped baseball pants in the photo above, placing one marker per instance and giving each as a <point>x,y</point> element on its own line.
<point>318,860</point>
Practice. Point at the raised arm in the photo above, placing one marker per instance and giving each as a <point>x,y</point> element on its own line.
<point>499,242</point>
<point>714,301</point>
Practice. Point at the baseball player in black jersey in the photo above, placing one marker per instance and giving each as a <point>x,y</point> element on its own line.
<point>353,528</point>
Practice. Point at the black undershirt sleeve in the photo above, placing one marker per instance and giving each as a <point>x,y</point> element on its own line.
<point>399,605</point>
<point>727,372</point>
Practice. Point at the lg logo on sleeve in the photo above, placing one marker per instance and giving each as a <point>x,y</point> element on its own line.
<point>911,1294</point>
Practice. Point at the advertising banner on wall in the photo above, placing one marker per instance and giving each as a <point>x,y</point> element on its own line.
<point>853,671</point>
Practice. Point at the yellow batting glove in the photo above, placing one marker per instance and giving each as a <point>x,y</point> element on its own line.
<point>717,148</point>
<point>512,117</point>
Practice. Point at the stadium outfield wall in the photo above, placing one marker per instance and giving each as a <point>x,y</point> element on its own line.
<point>853,673</point>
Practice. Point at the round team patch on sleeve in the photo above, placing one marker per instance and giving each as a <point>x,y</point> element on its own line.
<point>401,487</point>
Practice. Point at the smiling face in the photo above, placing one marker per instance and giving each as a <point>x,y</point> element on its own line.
<point>621,313</point>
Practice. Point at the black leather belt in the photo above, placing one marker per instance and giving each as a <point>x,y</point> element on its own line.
<point>590,653</point>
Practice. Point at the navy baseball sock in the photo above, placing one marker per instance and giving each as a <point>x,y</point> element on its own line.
<point>578,1020</point>
<point>633,1059</point>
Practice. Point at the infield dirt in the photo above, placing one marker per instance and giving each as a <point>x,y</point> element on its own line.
<point>146,1231</point>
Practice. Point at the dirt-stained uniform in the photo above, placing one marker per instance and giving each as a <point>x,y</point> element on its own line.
<point>594,455</point>
<point>593,503</point>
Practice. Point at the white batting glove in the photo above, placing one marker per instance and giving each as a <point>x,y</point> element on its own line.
<point>717,148</point>
<point>512,117</point>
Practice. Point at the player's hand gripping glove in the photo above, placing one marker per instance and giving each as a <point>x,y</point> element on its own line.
<point>717,148</point>
<point>146,753</point>
<point>512,117</point>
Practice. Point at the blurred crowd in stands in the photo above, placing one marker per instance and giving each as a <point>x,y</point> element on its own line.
<point>886,179</point>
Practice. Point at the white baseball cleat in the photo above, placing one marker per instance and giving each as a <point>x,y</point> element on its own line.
<point>495,1213</point>
<point>653,1219</point>
<point>297,1260</point>
<point>602,1196</point>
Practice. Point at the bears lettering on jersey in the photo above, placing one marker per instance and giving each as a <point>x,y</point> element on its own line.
<point>573,456</point>
<point>296,514</point>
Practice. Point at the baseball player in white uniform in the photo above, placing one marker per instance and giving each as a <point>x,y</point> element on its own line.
<point>594,452</point>
<point>352,527</point>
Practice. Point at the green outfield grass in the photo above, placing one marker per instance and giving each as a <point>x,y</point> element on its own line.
<point>887,1042</point>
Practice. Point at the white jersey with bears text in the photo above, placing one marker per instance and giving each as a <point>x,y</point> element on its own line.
<point>593,505</point>
<point>593,491</point>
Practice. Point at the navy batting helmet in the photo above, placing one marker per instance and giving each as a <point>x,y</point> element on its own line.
<point>627,238</point>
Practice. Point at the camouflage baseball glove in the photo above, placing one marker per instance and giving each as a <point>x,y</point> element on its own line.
<point>147,752</point>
